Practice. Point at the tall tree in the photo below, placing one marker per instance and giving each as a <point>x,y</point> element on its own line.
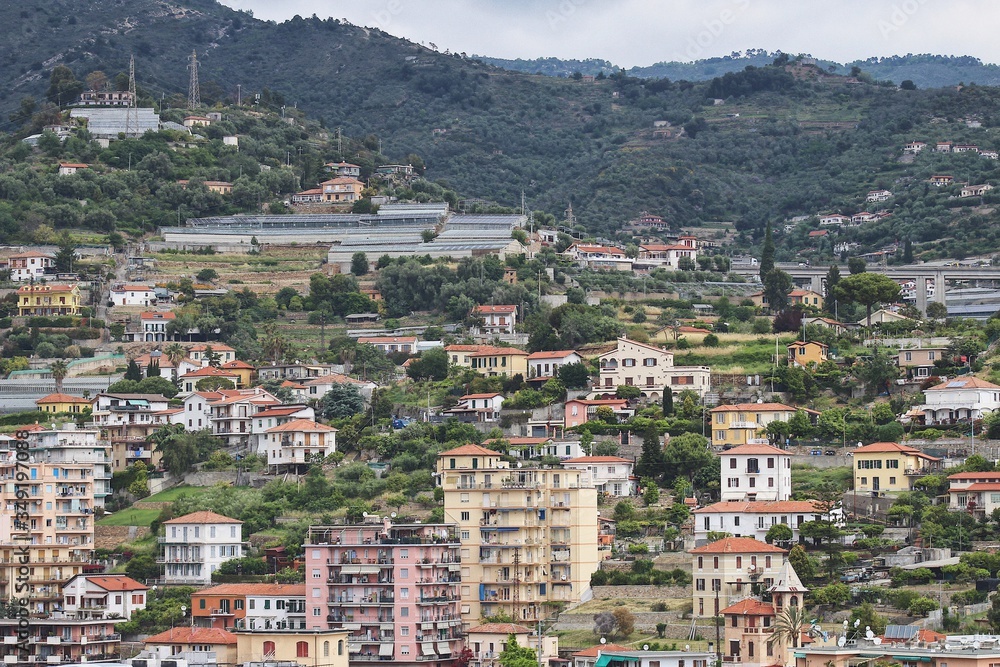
<point>788,627</point>
<point>59,370</point>
<point>359,263</point>
<point>777,285</point>
<point>868,289</point>
<point>650,462</point>
<point>133,372</point>
<point>66,255</point>
<point>668,402</point>
<point>686,454</point>
<point>175,353</point>
<point>908,252</point>
<point>767,254</point>
<point>830,297</point>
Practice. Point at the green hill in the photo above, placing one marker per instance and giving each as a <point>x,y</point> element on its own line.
<point>788,141</point>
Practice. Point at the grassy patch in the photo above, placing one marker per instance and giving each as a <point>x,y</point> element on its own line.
<point>806,479</point>
<point>130,517</point>
<point>170,495</point>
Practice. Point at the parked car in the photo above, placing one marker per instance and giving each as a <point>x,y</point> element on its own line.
<point>830,452</point>
<point>816,452</point>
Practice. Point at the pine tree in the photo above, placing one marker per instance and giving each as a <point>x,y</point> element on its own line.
<point>767,253</point>
<point>668,402</point>
<point>908,252</point>
<point>650,462</point>
<point>830,298</point>
<point>153,369</point>
<point>133,372</point>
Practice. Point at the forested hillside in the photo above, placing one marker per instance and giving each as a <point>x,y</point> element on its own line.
<point>788,139</point>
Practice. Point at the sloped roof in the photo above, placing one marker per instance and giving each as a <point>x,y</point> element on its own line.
<point>62,398</point>
<point>598,459</point>
<point>788,581</point>
<point>192,635</point>
<point>470,450</point>
<point>750,607</point>
<point>893,447</point>
<point>963,383</point>
<point>255,589</point>
<point>754,407</point>
<point>116,583</point>
<point>760,507</point>
<point>756,449</point>
<point>203,516</point>
<point>301,425</point>
<point>551,354</point>
<point>737,545</point>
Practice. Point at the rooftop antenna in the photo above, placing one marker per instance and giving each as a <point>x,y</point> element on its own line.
<point>132,115</point>
<point>194,95</point>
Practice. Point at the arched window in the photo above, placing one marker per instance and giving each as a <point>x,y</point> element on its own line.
<point>326,649</point>
<point>268,648</point>
<point>340,647</point>
<point>301,649</point>
<point>793,601</point>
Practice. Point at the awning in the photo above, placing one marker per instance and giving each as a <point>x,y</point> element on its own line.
<point>385,650</point>
<point>912,658</point>
<point>443,648</point>
<point>353,648</point>
<point>606,659</point>
<point>351,569</point>
<point>427,649</point>
<point>426,626</point>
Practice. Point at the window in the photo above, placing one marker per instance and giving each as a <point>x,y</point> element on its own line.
<point>770,462</point>
<point>732,463</point>
<point>267,602</point>
<point>404,593</point>
<point>465,535</point>
<point>405,631</point>
<point>211,531</point>
<point>268,649</point>
<point>340,647</point>
<point>326,649</point>
<point>465,516</point>
<point>892,480</point>
<point>720,418</point>
<point>404,553</point>
<point>701,560</point>
<point>628,363</point>
<point>649,362</point>
<point>715,562</point>
<point>316,573</point>
<point>404,573</point>
<point>301,649</point>
<point>201,603</point>
<point>700,585</point>
<point>238,603</point>
<point>404,612</point>
<point>739,562</point>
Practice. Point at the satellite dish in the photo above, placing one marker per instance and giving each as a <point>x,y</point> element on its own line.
<point>687,647</point>
<point>603,640</point>
<point>364,514</point>
<point>845,623</point>
<point>869,635</point>
<point>842,641</point>
<point>857,622</point>
<point>392,514</point>
<point>976,645</point>
<point>877,641</point>
<point>645,647</point>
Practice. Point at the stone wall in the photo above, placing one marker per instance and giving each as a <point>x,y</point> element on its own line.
<point>641,592</point>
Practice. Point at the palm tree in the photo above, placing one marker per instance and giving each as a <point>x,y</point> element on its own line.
<point>175,353</point>
<point>59,370</point>
<point>788,627</point>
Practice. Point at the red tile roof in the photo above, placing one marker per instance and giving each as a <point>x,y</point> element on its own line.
<point>236,363</point>
<point>760,506</point>
<point>754,407</point>
<point>488,350</point>
<point>203,516</point>
<point>891,447</point>
<point>975,475</point>
<point>191,635</point>
<point>302,425</point>
<point>150,315</point>
<point>500,310</point>
<point>255,589</point>
<point>737,545</point>
<point>62,398</point>
<point>981,486</point>
<point>959,384</point>
<point>750,607</point>
<point>471,396</point>
<point>210,371</point>
<point>470,450</point>
<point>117,583</point>
<point>600,648</point>
<point>554,354</point>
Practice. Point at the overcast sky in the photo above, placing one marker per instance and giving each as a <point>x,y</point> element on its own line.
<point>642,32</point>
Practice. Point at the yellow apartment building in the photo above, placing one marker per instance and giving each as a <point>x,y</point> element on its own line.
<point>529,535</point>
<point>745,423</point>
<point>493,361</point>
<point>888,467</point>
<point>804,353</point>
<point>56,403</point>
<point>48,299</point>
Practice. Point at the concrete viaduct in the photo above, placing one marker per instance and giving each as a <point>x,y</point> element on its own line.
<point>814,277</point>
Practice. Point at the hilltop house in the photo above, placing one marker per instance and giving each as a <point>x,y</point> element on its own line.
<point>902,465</point>
<point>959,400</point>
<point>650,368</point>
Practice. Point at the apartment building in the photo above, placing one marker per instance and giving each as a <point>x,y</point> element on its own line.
<point>250,606</point>
<point>528,534</point>
<point>651,369</point>
<point>746,423</point>
<point>753,519</point>
<point>395,587</point>
<point>726,571</point>
<point>97,596</point>
<point>977,493</point>
<point>889,467</point>
<point>48,299</point>
<point>69,476</point>
<point>305,648</point>
<point>127,421</point>
<point>489,640</point>
<point>494,320</point>
<point>194,545</point>
<point>30,265</point>
<point>756,473</point>
<point>232,414</point>
<point>298,444</point>
<point>610,475</point>
<point>59,641</point>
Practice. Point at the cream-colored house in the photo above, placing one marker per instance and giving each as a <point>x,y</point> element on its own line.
<point>651,369</point>
<point>888,467</point>
<point>549,515</point>
<point>308,648</point>
<point>731,567</point>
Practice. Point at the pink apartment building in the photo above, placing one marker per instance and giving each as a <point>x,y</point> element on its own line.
<point>395,588</point>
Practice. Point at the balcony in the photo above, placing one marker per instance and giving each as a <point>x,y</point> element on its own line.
<point>221,612</point>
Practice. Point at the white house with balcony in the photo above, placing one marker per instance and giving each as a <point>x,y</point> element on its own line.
<point>975,492</point>
<point>193,546</point>
<point>608,474</point>
<point>494,320</point>
<point>756,473</point>
<point>298,443</point>
<point>742,518</point>
<point>959,400</point>
<point>133,295</point>
<point>545,365</point>
<point>153,326</point>
<point>103,596</point>
<point>651,369</point>
<point>478,407</point>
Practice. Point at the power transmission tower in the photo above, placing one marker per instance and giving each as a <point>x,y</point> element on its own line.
<point>194,95</point>
<point>132,115</point>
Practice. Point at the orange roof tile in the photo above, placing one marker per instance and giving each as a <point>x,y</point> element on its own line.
<point>255,589</point>
<point>553,354</point>
<point>750,607</point>
<point>737,545</point>
<point>891,447</point>
<point>471,396</point>
<point>754,407</point>
<point>62,398</point>
<point>150,315</point>
<point>487,350</point>
<point>117,583</point>
<point>302,425</point>
<point>203,516</point>
<point>500,310</point>
<point>759,506</point>
<point>236,363</point>
<point>975,475</point>
<point>600,648</point>
<point>192,635</point>
<point>470,450</point>
<point>963,383</point>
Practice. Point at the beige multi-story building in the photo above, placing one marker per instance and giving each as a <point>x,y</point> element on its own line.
<point>529,535</point>
<point>68,476</point>
<point>729,569</point>
<point>651,369</point>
